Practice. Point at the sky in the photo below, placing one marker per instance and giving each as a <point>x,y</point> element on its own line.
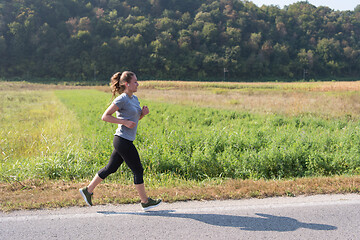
<point>341,5</point>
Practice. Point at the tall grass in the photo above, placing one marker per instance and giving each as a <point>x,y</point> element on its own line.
<point>61,136</point>
<point>35,126</point>
<point>198,143</point>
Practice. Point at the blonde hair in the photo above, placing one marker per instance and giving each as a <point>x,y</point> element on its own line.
<point>118,81</point>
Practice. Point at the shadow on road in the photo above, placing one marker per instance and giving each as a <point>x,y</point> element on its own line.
<point>264,222</point>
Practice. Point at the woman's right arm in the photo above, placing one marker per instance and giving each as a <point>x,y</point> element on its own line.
<point>108,117</point>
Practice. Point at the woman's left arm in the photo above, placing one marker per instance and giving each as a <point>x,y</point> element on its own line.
<point>145,111</point>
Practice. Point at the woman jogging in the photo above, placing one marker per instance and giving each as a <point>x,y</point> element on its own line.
<point>128,114</point>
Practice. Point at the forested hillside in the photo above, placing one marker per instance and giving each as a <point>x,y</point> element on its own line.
<point>176,39</point>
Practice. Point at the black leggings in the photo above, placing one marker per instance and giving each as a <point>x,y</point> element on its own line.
<point>124,151</point>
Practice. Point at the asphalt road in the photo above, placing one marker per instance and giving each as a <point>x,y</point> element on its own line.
<point>313,217</point>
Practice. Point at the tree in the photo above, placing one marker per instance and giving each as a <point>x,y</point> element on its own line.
<point>328,51</point>
<point>187,39</point>
<point>210,32</point>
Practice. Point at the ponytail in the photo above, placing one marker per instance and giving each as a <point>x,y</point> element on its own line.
<point>118,81</point>
<point>115,84</point>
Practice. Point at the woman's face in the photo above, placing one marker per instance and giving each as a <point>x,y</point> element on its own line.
<point>132,86</point>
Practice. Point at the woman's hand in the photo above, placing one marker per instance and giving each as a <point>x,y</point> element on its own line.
<point>129,124</point>
<point>144,111</point>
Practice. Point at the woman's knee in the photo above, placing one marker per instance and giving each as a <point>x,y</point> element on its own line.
<point>106,171</point>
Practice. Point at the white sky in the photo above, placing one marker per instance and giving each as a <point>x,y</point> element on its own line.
<point>333,4</point>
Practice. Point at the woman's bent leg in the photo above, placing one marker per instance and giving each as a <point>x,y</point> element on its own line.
<point>130,155</point>
<point>114,163</point>
<point>96,180</point>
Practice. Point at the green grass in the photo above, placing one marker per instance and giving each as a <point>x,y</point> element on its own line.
<point>34,126</point>
<point>199,143</point>
<point>61,136</point>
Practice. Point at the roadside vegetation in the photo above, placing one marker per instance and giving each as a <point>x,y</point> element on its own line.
<point>200,141</point>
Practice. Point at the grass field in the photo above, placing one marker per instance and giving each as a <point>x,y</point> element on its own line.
<point>200,141</point>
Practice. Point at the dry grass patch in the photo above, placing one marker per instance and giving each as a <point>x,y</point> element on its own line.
<point>263,98</point>
<point>301,86</point>
<point>338,86</point>
<point>35,194</point>
<point>24,86</point>
<point>329,99</point>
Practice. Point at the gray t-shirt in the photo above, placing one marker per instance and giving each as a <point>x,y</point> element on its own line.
<point>129,109</point>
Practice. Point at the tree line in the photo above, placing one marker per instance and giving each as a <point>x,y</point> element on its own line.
<point>176,39</point>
